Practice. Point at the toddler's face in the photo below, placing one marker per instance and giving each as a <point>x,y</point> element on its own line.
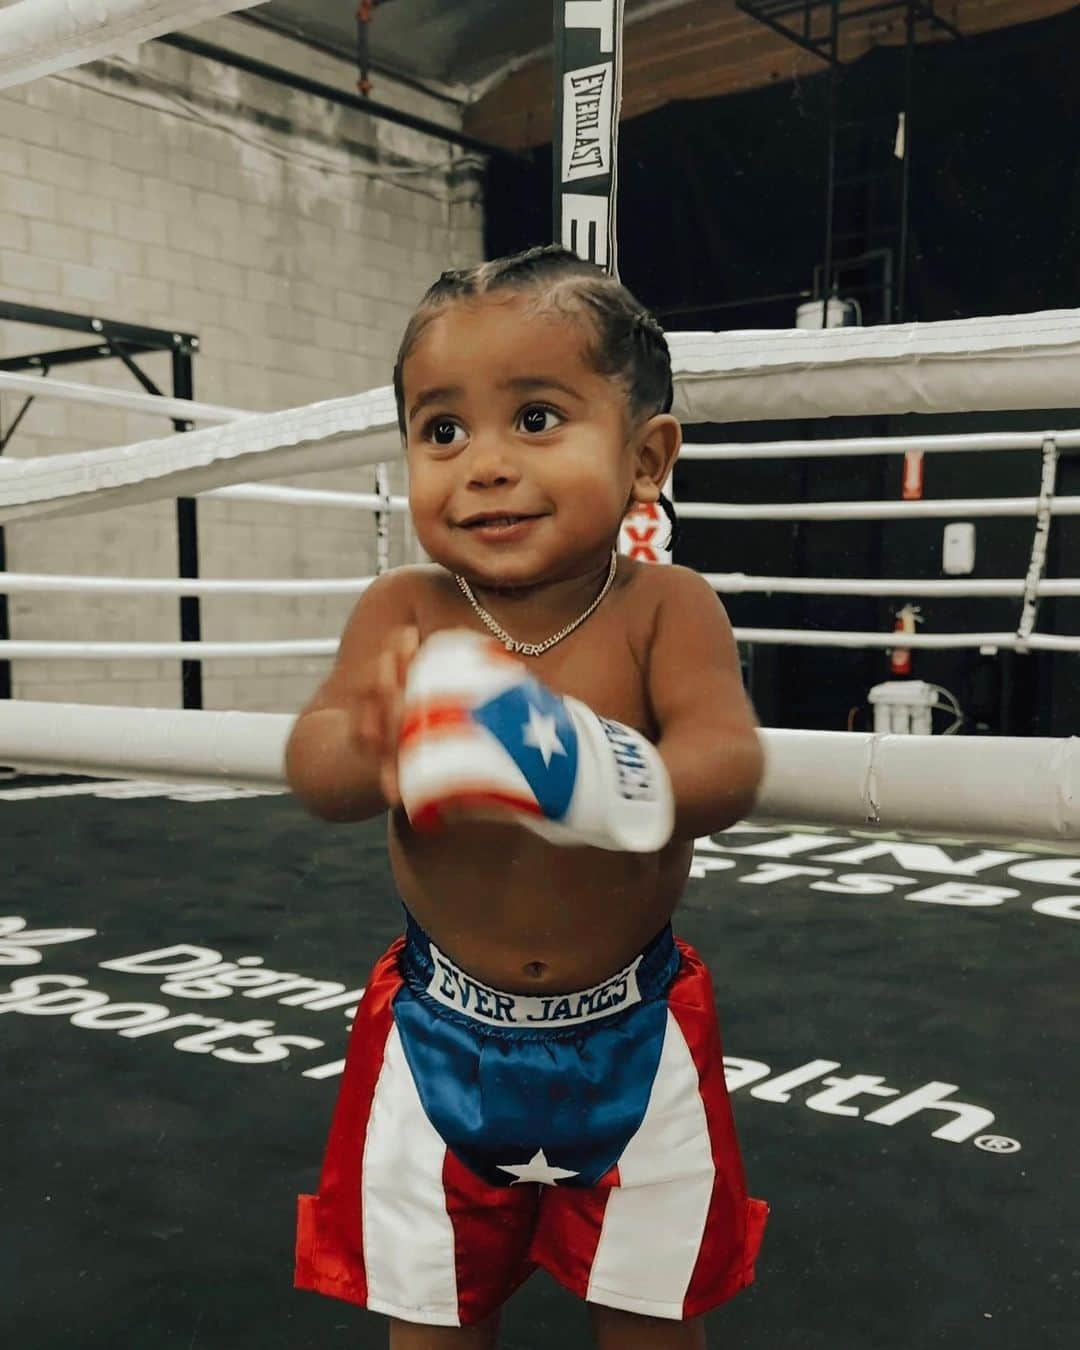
<point>506,417</point>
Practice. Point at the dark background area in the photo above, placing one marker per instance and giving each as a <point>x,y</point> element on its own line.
<point>722,202</point>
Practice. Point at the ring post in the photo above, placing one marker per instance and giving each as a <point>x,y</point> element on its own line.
<point>187,538</point>
<point>588,95</point>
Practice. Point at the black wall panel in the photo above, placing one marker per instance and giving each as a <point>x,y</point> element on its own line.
<point>722,204</point>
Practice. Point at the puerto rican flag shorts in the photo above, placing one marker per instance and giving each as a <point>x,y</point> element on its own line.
<point>479,1135</point>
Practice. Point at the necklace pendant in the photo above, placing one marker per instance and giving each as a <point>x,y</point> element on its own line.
<point>533,648</point>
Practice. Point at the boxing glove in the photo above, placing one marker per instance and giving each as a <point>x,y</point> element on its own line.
<point>482,736</point>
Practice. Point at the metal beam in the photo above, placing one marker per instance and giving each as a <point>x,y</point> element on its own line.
<point>770,13</point>
<point>807,44</point>
<point>158,339</point>
<point>65,356</point>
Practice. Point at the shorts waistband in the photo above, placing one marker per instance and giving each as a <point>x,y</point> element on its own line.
<point>429,970</point>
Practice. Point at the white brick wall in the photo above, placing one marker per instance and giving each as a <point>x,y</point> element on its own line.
<point>175,193</point>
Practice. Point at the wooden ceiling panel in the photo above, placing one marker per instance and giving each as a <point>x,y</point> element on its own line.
<point>708,48</point>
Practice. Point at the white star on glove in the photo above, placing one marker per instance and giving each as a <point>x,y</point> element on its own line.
<point>537,1169</point>
<point>540,733</point>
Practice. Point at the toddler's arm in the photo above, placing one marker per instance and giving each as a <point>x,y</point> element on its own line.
<point>340,758</point>
<point>708,738</point>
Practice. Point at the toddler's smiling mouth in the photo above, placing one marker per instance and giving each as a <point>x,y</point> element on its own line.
<point>491,521</point>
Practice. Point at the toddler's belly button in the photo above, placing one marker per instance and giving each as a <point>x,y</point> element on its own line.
<point>534,969</point>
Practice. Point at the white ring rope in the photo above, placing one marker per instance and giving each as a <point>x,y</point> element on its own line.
<point>13,649</point>
<point>1009,361</point>
<point>739,583</point>
<point>883,445</point>
<point>896,510</point>
<point>891,510</point>
<point>29,583</point>
<point>821,637</point>
<point>834,777</point>
<point>727,583</point>
<point>266,492</point>
<point>925,782</point>
<point>187,410</point>
<point>157,405</point>
<point>163,744</point>
<point>344,433</point>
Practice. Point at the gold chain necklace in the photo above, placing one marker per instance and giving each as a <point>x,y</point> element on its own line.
<point>534,648</point>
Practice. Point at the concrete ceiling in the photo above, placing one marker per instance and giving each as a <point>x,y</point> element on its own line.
<point>453,43</point>
<point>495,55</point>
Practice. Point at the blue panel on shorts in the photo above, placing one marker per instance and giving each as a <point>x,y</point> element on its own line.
<point>496,1099</point>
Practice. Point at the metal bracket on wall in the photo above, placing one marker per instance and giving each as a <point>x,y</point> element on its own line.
<point>122,341</point>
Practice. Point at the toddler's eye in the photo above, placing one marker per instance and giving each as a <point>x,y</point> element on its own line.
<point>442,430</point>
<point>534,419</point>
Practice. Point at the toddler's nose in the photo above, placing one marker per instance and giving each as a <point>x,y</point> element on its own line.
<point>491,466</point>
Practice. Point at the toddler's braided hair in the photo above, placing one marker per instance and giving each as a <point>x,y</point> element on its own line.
<point>626,341</point>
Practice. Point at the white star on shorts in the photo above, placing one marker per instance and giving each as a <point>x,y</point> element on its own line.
<point>540,733</point>
<point>537,1169</point>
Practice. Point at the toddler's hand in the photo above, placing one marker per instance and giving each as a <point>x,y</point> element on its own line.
<point>376,717</point>
<point>484,738</point>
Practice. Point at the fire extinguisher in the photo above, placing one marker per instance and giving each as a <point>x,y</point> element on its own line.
<point>900,657</point>
<point>911,489</point>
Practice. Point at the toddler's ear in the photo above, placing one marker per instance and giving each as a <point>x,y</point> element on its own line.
<point>658,444</point>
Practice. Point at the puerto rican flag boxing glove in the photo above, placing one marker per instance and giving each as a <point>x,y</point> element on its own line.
<point>481,735</point>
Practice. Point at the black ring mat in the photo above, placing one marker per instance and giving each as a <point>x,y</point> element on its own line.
<point>149,1193</point>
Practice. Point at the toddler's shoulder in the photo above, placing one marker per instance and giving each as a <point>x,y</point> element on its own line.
<point>665,602</point>
<point>414,582</point>
<point>432,595</point>
<point>393,599</point>
<point>668,584</point>
<point>417,576</point>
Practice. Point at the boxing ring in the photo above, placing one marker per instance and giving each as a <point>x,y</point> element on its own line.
<point>1022,786</point>
<point>890,934</point>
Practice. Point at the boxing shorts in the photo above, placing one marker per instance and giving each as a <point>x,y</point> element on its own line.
<point>479,1135</point>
